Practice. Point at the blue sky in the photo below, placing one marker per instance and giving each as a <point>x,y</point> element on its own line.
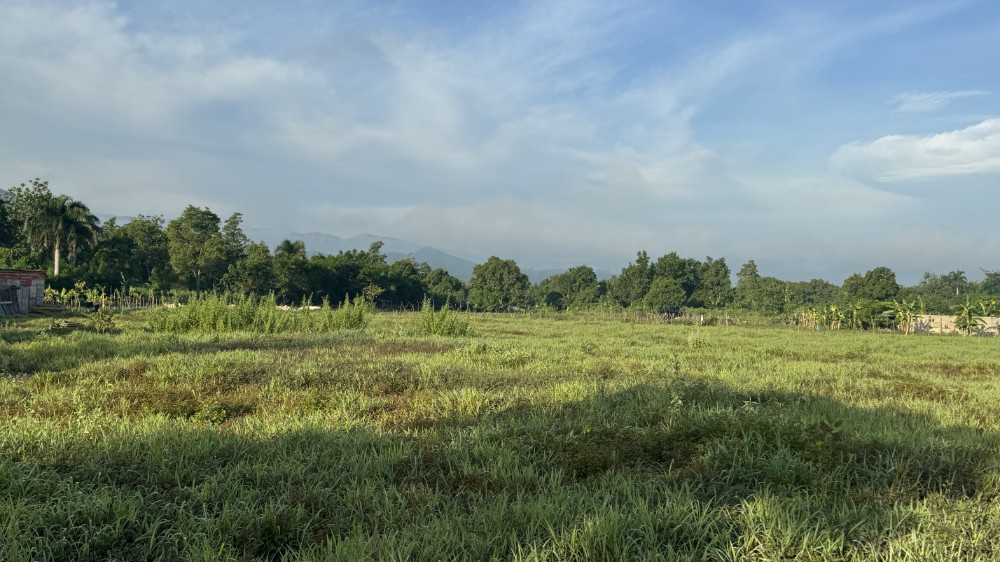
<point>818,138</point>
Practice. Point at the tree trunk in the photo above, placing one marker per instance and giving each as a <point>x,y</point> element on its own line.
<point>197,284</point>
<point>56,272</point>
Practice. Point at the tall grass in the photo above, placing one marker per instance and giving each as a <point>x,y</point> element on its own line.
<point>224,313</point>
<point>444,322</point>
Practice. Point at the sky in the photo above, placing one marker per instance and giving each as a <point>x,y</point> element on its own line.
<point>819,139</point>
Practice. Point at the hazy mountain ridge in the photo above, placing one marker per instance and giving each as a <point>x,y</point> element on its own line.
<point>393,248</point>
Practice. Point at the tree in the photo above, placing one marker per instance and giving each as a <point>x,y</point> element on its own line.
<point>404,282</point>
<point>684,270</point>
<point>748,285</point>
<point>665,293</point>
<point>852,289</point>
<point>715,285</point>
<point>766,295</point>
<point>62,222</point>
<point>576,287</point>
<point>443,287</point>
<point>631,286</point>
<point>497,285</point>
<point>254,274</point>
<point>948,285</point>
<point>151,251</point>
<point>990,283</point>
<point>23,200</point>
<point>287,248</point>
<point>814,292</point>
<point>292,272</point>
<point>233,238</point>
<point>879,284</point>
<point>9,228</point>
<point>195,245</point>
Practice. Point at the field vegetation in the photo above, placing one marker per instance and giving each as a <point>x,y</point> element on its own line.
<point>549,436</point>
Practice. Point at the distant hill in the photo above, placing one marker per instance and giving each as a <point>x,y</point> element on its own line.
<point>393,248</point>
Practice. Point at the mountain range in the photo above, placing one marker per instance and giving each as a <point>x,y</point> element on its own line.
<point>393,248</point>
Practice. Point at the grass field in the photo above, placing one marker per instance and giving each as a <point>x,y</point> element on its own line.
<point>562,437</point>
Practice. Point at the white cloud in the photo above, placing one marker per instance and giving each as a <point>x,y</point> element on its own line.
<point>906,158</point>
<point>918,102</point>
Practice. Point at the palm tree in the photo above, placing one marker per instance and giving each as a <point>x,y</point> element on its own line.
<point>62,222</point>
<point>291,249</point>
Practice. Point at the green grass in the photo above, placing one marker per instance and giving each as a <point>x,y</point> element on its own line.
<point>564,437</point>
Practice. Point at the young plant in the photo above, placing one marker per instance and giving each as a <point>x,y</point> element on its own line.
<point>443,322</point>
<point>968,318</point>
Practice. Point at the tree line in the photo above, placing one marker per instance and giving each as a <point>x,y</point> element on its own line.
<point>198,251</point>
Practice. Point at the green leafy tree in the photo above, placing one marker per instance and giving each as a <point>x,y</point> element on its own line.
<point>715,288</point>
<point>949,285</point>
<point>197,251</point>
<point>404,283</point>
<point>990,284</point>
<point>665,293</point>
<point>879,284</point>
<point>629,288</point>
<point>9,228</point>
<point>234,240</point>
<point>150,245</point>
<point>577,287</point>
<point>443,287</point>
<point>498,285</point>
<point>293,274</point>
<point>290,249</point>
<point>852,288</point>
<point>685,270</point>
<point>766,295</point>
<point>24,200</point>
<point>254,273</point>
<point>62,223</point>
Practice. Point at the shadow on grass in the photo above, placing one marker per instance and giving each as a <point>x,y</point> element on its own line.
<point>690,470</point>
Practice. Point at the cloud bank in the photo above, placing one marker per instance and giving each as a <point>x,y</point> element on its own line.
<point>907,158</point>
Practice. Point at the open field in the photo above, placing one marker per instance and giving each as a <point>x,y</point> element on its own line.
<point>534,438</point>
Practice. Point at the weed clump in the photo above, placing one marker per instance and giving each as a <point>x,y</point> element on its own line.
<point>222,313</point>
<point>442,322</point>
<point>696,339</point>
<point>104,320</point>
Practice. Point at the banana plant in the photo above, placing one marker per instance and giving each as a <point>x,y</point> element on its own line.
<point>857,308</point>
<point>834,317</point>
<point>906,314</point>
<point>968,318</point>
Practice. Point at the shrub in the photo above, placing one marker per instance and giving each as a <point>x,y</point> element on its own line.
<point>442,322</point>
<point>214,313</point>
<point>350,315</point>
<point>104,320</point>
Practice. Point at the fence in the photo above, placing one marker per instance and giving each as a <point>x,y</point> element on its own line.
<point>944,324</point>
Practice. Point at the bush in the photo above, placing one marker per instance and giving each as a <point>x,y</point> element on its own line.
<point>442,322</point>
<point>104,320</point>
<point>214,313</point>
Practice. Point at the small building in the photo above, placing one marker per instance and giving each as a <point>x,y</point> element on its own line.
<point>25,287</point>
